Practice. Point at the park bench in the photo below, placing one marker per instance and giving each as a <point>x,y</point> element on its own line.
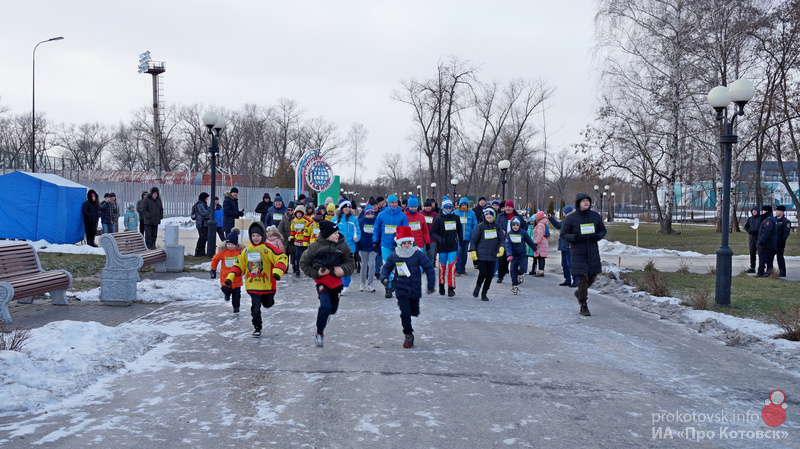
<point>22,278</point>
<point>128,250</point>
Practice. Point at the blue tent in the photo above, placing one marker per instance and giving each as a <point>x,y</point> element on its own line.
<point>41,206</point>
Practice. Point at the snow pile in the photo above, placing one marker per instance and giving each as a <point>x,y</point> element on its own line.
<point>185,288</point>
<point>620,249</point>
<point>65,357</point>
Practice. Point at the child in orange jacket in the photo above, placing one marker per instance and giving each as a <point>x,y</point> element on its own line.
<point>228,253</point>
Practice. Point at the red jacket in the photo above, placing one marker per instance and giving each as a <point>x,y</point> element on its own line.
<point>419,228</point>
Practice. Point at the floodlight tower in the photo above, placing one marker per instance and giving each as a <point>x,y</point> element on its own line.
<point>155,68</point>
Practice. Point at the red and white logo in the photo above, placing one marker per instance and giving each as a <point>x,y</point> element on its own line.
<point>774,413</point>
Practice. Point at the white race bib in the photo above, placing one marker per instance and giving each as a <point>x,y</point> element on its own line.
<point>463,221</point>
<point>450,226</point>
<point>428,220</point>
<point>299,226</point>
<point>415,226</point>
<point>316,231</point>
<point>277,217</point>
<point>389,229</point>
<point>369,229</point>
<point>252,257</point>
<point>515,238</point>
<point>402,269</point>
<point>489,234</point>
<point>587,228</point>
<point>229,261</point>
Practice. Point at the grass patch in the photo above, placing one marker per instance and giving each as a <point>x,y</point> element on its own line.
<point>751,297</point>
<point>654,282</point>
<point>789,322</point>
<point>698,238</point>
<point>683,267</point>
<point>79,265</point>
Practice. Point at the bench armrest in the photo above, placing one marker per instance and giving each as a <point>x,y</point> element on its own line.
<point>6,293</point>
<point>113,257</point>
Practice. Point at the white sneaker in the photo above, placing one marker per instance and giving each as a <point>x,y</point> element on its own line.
<point>370,288</point>
<point>345,290</point>
<point>318,340</point>
<point>514,290</point>
<point>361,288</point>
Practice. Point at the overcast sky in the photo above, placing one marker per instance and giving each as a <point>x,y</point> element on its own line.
<point>340,59</point>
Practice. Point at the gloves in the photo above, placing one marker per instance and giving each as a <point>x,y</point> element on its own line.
<point>229,279</point>
<point>473,255</point>
<point>385,282</point>
<point>213,274</point>
<point>501,252</point>
<point>241,213</point>
<point>276,276</point>
<point>430,291</point>
<point>510,258</point>
<point>376,247</point>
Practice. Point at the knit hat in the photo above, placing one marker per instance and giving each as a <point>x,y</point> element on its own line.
<point>379,199</point>
<point>106,195</point>
<point>766,207</point>
<point>566,210</point>
<point>112,195</point>
<point>509,203</point>
<point>781,208</point>
<point>483,198</point>
<point>495,202</point>
<point>344,203</point>
<point>330,207</point>
<point>328,200</point>
<point>309,208</point>
<point>538,215</point>
<point>428,203</point>
<point>446,202</point>
<point>319,214</point>
<point>490,211</point>
<point>257,228</point>
<point>413,201</point>
<point>372,200</point>
<point>130,206</point>
<point>369,210</point>
<point>233,236</point>
<point>300,209</point>
<point>391,199</point>
<point>234,190</point>
<point>203,196</point>
<point>278,197</point>
<point>144,193</point>
<point>326,229</point>
<point>517,221</point>
<point>463,201</point>
<point>404,234</point>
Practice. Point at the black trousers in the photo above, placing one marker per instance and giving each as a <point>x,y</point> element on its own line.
<point>233,293</point>
<point>150,235</point>
<point>765,258</point>
<point>202,240</point>
<point>141,226</point>
<point>753,252</point>
<point>781,260</point>
<point>485,273</point>
<point>256,301</point>
<point>502,267</point>
<point>408,307</point>
<point>91,231</point>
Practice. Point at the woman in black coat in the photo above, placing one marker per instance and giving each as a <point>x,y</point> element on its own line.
<point>583,228</point>
<point>91,213</point>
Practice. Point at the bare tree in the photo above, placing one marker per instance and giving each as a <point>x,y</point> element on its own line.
<point>357,138</point>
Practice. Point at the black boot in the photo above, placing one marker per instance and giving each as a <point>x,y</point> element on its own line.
<point>451,291</point>
<point>476,292</point>
<point>441,289</point>
<point>388,292</point>
<point>484,297</point>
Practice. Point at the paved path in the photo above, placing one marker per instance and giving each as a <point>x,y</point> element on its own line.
<point>517,371</point>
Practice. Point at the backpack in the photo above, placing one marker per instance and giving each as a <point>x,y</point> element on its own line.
<point>546,232</point>
<point>194,212</point>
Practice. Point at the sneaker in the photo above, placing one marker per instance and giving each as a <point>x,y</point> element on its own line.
<point>477,291</point>
<point>751,270</point>
<point>409,341</point>
<point>318,340</point>
<point>388,293</point>
<point>575,285</point>
<point>564,284</point>
<point>227,298</point>
<point>345,290</point>
<point>361,288</point>
<point>370,288</point>
<point>451,291</point>
<point>256,333</point>
<point>532,273</point>
<point>500,280</point>
<point>441,289</point>
<point>484,297</point>
<point>297,274</point>
<point>520,279</point>
<point>585,310</point>
<point>514,290</point>
<point>539,274</point>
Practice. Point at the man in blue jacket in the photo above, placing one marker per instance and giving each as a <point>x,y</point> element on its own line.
<point>563,247</point>
<point>784,229</point>
<point>767,242</point>
<point>583,228</point>
<point>386,225</point>
<point>468,223</point>
<point>275,213</point>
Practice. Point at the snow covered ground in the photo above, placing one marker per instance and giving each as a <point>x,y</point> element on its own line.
<point>65,357</point>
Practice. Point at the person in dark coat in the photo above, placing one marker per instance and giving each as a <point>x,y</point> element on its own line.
<point>263,208</point>
<point>202,214</point>
<point>767,242</point>
<point>485,246</point>
<point>447,232</point>
<point>230,210</point>
<point>276,212</point>
<point>153,211</point>
<point>478,209</point>
<point>91,213</point>
<point>563,247</point>
<point>583,228</point>
<point>784,229</point>
<point>504,221</point>
<point>107,214</point>
<point>752,225</point>
<point>141,214</point>
<point>407,262</point>
<point>515,246</point>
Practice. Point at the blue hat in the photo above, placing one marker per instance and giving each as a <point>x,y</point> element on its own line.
<point>490,211</point>
<point>233,236</point>
<point>463,201</point>
<point>413,201</point>
<point>447,202</point>
<point>567,209</point>
<point>391,199</point>
<point>369,209</point>
<point>497,202</point>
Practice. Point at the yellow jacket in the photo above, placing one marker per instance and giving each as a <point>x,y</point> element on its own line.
<point>313,232</point>
<point>261,266</point>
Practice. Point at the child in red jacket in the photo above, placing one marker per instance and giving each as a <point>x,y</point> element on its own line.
<point>228,252</point>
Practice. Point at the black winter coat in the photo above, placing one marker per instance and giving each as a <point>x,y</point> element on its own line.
<point>767,232</point>
<point>487,244</point>
<point>447,232</point>
<point>107,212</point>
<point>409,286</point>
<point>90,209</point>
<point>583,247</point>
<point>784,229</point>
<point>503,220</point>
<point>152,210</point>
<point>230,212</point>
<point>752,225</point>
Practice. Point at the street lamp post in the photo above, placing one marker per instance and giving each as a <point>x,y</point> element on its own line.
<point>611,207</point>
<point>503,166</point>
<point>740,92</point>
<point>454,182</point>
<point>433,190</point>
<point>33,104</point>
<point>603,197</point>
<point>419,191</point>
<point>596,191</point>
<point>215,124</point>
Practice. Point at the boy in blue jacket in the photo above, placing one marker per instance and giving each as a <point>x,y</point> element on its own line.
<point>407,262</point>
<point>468,223</point>
<point>515,242</point>
<point>386,224</point>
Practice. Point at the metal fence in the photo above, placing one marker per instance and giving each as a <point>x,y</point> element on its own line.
<point>178,199</point>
